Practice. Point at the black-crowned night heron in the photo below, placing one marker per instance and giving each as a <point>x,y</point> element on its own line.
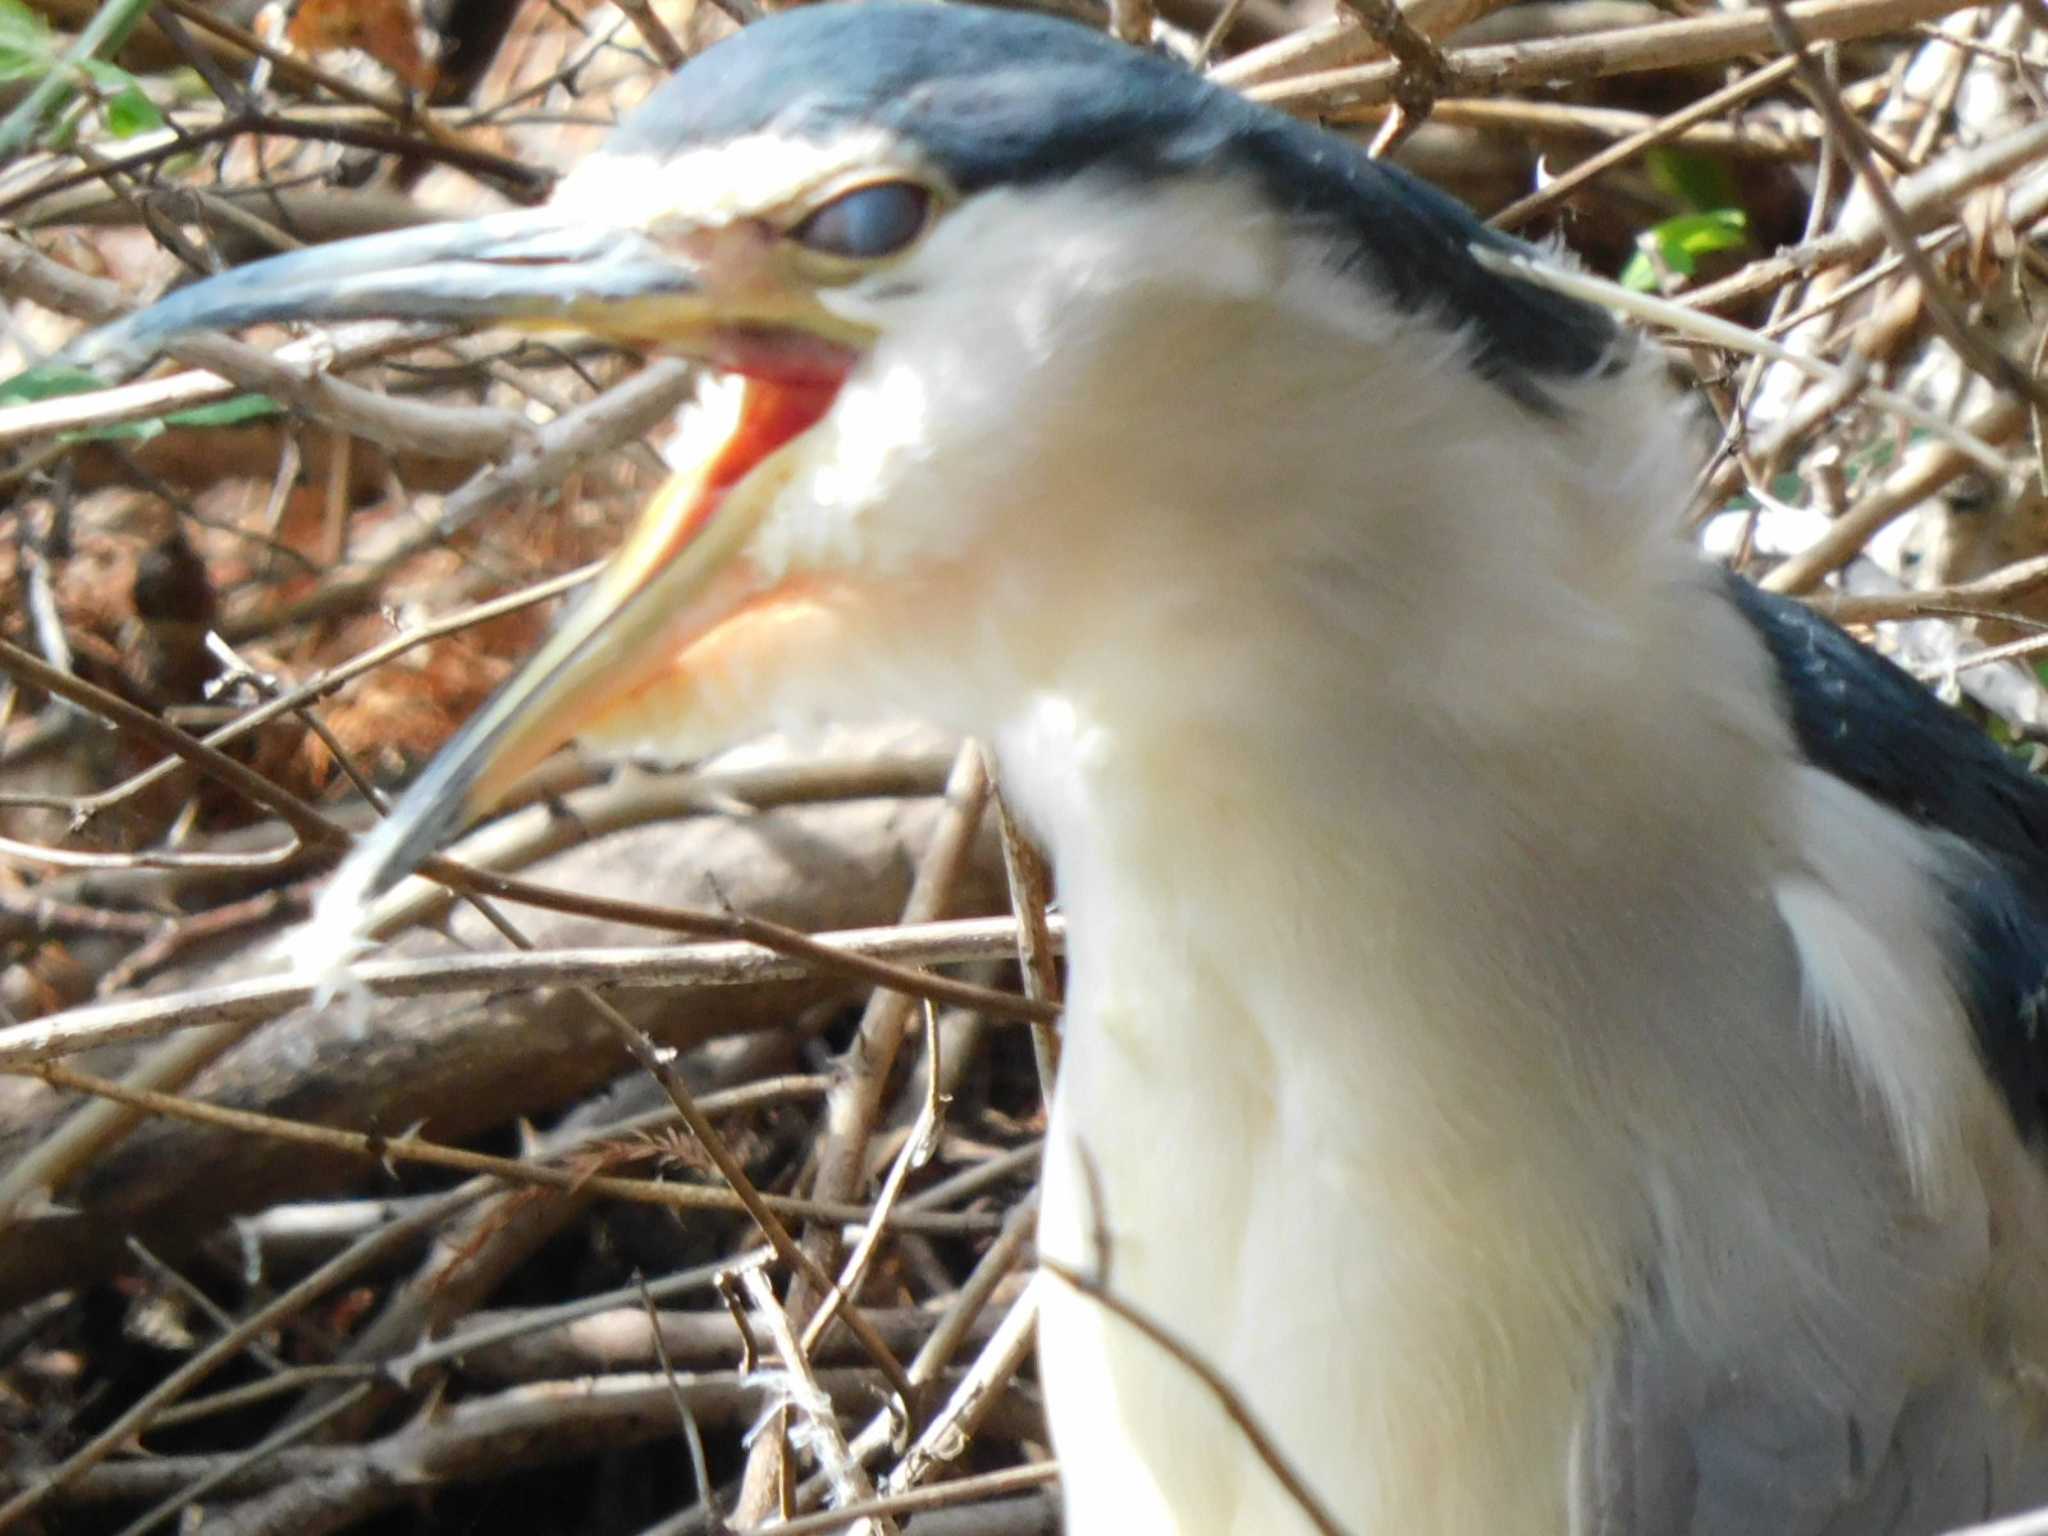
<point>1557,1029</point>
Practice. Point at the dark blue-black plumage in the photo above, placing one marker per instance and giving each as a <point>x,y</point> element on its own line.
<point>1864,720</point>
<point>997,98</point>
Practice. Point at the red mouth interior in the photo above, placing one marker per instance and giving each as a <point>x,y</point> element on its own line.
<point>772,413</point>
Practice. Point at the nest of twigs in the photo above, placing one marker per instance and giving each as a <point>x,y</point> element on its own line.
<point>540,1235</point>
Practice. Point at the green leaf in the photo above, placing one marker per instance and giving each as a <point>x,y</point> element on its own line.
<point>1871,459</point>
<point>127,106</point>
<point>28,51</point>
<point>53,381</point>
<point>48,382</point>
<point>22,29</point>
<point>225,413</point>
<point>1681,241</point>
<point>1691,235</point>
<point>221,413</point>
<point>118,432</point>
<point>1693,181</point>
<point>25,33</point>
<point>1788,487</point>
<point>131,112</point>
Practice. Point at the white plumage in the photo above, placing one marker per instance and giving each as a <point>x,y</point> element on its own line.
<point>1458,945</point>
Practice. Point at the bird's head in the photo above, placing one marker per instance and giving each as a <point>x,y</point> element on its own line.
<point>1015,336</point>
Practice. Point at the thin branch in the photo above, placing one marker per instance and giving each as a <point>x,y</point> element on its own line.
<point>1665,129</point>
<point>1420,72</point>
<point>127,1425</point>
<point>962,1490</point>
<point>318,831</point>
<point>390,1151</point>
<point>1707,39</point>
<point>1979,598</point>
<point>802,1393</point>
<point>255,1001</point>
<point>530,183</point>
<point>1855,144</point>
<point>1030,881</point>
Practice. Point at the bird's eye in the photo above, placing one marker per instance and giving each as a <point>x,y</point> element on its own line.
<point>867,223</point>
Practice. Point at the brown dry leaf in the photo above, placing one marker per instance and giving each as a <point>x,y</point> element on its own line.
<point>387,30</point>
<point>396,717</point>
<point>1990,243</point>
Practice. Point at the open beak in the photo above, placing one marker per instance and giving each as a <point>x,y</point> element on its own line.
<point>682,572</point>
